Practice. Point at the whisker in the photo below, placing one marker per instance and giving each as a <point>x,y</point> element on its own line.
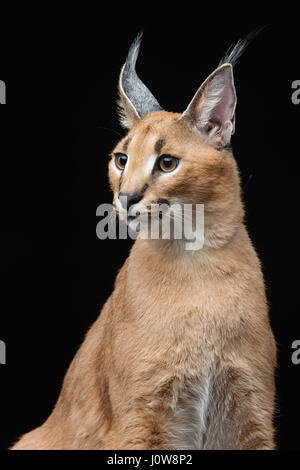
<point>109,129</point>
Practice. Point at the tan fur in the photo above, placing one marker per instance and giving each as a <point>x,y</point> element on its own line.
<point>182,355</point>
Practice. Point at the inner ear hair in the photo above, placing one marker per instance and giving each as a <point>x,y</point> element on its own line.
<point>211,111</point>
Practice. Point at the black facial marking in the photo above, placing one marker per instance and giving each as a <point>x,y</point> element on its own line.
<point>159,145</point>
<point>147,130</point>
<point>126,143</point>
<point>163,201</point>
<point>162,206</point>
<point>144,188</point>
<point>120,181</point>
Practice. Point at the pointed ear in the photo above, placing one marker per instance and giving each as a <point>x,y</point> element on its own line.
<point>211,111</point>
<point>135,100</point>
<point>127,112</point>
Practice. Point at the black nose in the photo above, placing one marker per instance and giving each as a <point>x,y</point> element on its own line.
<point>130,198</point>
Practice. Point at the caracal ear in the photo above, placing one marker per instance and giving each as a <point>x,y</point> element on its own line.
<point>135,100</point>
<point>211,111</point>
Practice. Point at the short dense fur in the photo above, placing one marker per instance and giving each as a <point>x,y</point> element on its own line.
<point>182,355</point>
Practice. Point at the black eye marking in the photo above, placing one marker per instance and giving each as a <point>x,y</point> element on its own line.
<point>144,188</point>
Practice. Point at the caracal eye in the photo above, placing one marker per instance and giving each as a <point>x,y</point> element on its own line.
<point>167,163</point>
<point>120,160</point>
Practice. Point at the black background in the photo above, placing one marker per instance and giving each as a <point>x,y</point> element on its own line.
<point>61,64</point>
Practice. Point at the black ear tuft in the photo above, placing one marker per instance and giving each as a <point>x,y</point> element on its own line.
<point>236,50</point>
